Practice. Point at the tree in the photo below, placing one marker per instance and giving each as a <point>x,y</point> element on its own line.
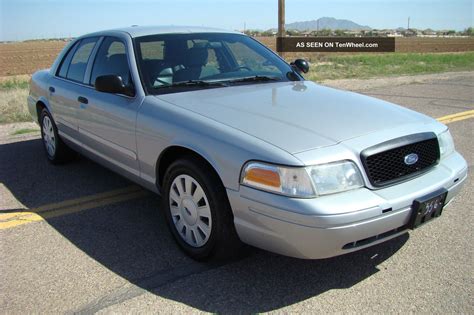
<point>292,32</point>
<point>325,32</point>
<point>340,33</point>
<point>267,33</point>
<point>469,31</point>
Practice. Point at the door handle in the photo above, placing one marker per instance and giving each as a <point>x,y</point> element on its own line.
<point>52,89</point>
<point>83,100</point>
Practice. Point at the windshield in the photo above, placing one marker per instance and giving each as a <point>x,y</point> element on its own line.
<point>179,62</point>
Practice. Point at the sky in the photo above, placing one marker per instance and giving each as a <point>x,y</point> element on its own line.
<point>33,19</point>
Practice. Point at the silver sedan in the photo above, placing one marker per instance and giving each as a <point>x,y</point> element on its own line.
<point>240,146</point>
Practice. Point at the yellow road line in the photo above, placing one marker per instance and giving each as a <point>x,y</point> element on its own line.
<point>12,219</point>
<point>456,117</point>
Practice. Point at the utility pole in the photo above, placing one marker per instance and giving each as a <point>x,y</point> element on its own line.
<point>281,20</point>
<point>408,27</point>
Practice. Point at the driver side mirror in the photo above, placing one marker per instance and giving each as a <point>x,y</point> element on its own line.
<point>300,65</point>
<point>112,84</point>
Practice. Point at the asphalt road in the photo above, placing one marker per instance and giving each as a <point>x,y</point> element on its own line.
<point>118,256</point>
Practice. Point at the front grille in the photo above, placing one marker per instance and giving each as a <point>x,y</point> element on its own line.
<point>385,163</point>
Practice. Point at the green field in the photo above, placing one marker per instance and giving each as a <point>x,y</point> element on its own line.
<point>13,107</point>
<point>14,90</point>
<point>14,83</point>
<point>24,131</point>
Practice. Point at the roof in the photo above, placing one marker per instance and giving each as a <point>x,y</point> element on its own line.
<point>137,31</point>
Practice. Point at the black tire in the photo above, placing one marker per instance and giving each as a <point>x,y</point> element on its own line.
<point>61,153</point>
<point>223,242</point>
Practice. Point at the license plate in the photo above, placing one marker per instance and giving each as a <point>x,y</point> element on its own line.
<point>427,208</point>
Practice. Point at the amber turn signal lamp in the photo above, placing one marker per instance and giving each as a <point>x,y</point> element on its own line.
<point>264,177</point>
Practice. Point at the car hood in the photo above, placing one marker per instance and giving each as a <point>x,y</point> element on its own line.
<point>295,116</point>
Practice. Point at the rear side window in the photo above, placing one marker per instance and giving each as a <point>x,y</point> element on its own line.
<point>79,60</point>
<point>111,59</point>
<point>67,61</point>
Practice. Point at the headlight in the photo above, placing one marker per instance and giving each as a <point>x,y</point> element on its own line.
<point>446,143</point>
<point>336,177</point>
<point>304,182</point>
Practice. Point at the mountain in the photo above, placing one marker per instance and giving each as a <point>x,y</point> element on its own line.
<point>326,23</point>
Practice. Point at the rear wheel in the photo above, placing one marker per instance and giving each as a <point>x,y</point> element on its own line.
<point>198,212</point>
<point>56,151</point>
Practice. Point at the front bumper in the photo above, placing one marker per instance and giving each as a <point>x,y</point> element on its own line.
<point>341,223</point>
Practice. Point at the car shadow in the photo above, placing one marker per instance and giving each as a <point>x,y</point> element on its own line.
<point>131,239</point>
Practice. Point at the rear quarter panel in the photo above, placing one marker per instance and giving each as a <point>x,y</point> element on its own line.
<point>39,84</point>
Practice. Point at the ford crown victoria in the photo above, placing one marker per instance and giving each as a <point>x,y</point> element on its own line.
<point>240,146</point>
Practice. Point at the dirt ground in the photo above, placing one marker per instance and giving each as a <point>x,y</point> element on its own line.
<point>28,57</point>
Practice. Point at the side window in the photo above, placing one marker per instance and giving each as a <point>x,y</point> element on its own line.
<point>66,61</point>
<point>111,59</point>
<point>78,65</point>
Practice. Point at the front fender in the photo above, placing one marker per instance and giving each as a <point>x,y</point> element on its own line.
<point>161,125</point>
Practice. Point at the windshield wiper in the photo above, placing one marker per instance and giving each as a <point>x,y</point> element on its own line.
<point>192,83</point>
<point>255,78</point>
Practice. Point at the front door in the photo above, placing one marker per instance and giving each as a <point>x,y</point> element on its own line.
<point>107,121</point>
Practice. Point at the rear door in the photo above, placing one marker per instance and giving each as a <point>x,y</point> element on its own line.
<point>67,84</point>
<point>107,121</point>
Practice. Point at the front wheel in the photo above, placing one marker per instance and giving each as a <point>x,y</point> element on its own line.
<point>198,212</point>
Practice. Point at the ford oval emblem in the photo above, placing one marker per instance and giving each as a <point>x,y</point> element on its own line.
<point>411,159</point>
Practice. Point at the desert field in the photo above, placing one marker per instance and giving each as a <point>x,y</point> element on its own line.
<point>424,45</point>
<point>27,57</point>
